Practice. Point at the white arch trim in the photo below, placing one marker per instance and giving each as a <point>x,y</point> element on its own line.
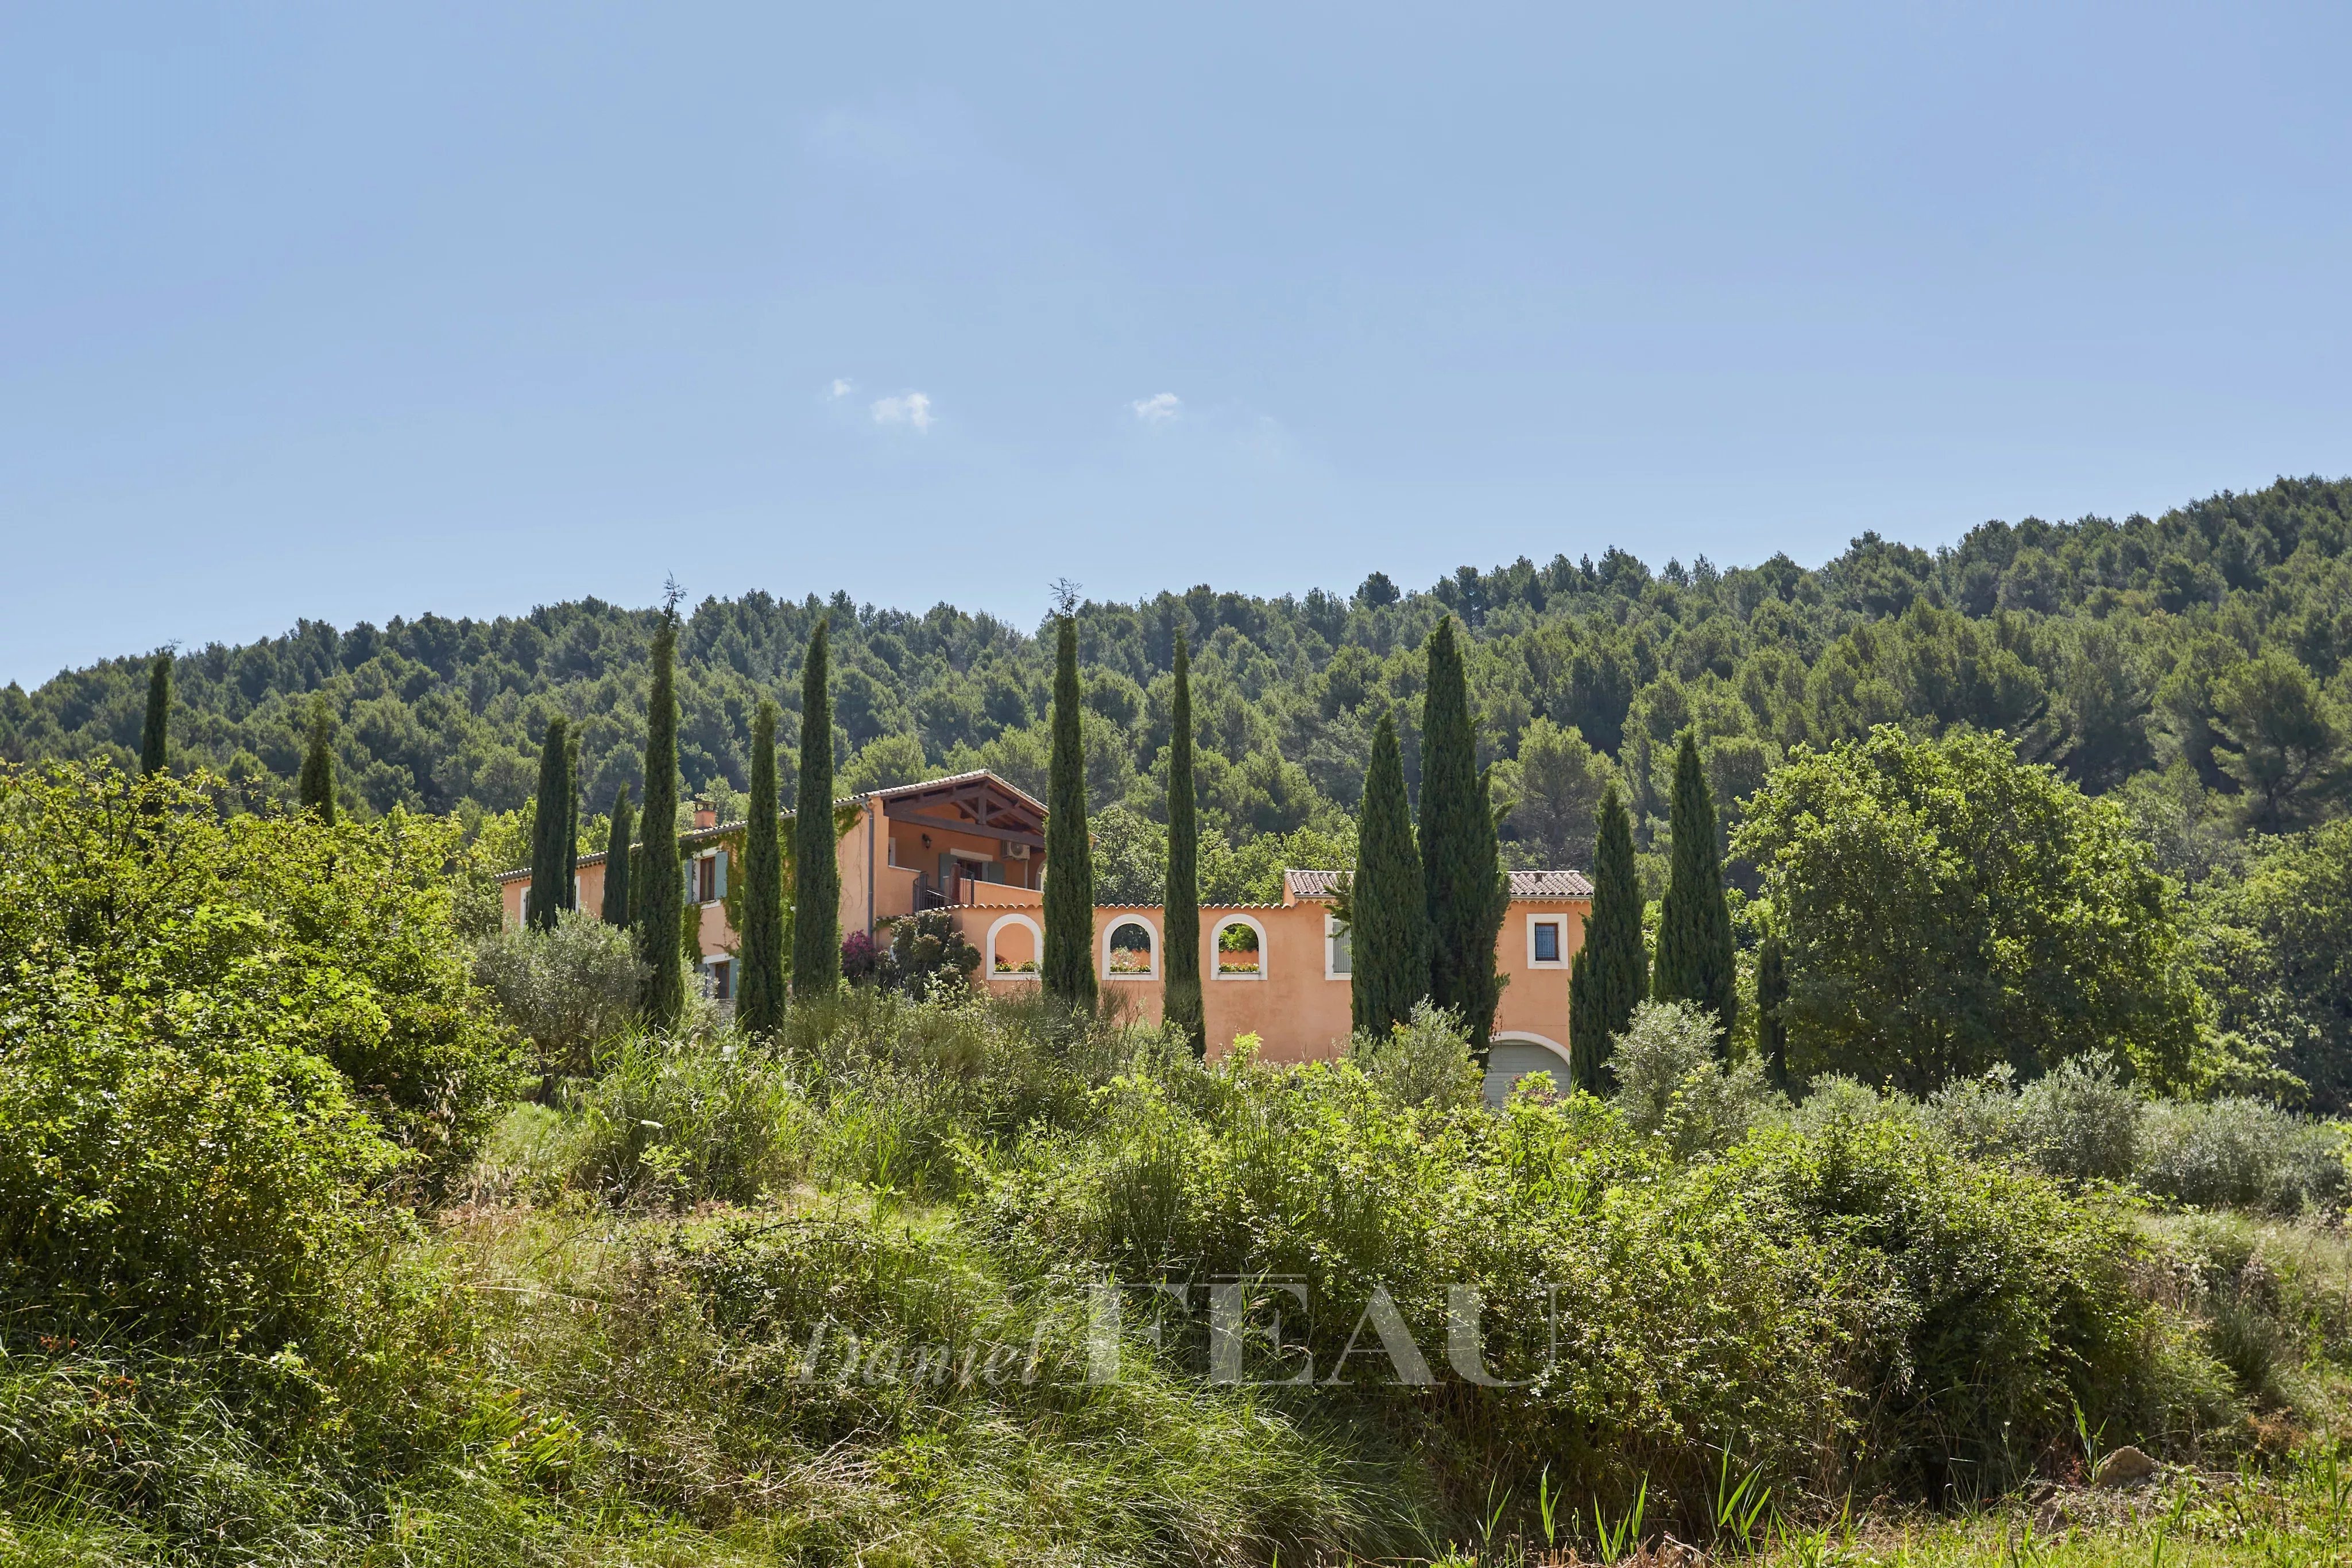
<point>1531,1038</point>
<point>988,955</point>
<point>1217,966</point>
<point>1151,927</point>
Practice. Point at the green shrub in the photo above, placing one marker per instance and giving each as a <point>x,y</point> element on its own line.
<point>568,990</point>
<point>204,927</point>
<point>674,1121</point>
<point>1673,1082</point>
<point>1424,1062</point>
<point>1841,1296</point>
<point>929,955</point>
<point>2001,1305</point>
<point>1976,1116</point>
<point>907,1086</point>
<point>2241,1152</point>
<point>177,1147</point>
<point>2080,1119</point>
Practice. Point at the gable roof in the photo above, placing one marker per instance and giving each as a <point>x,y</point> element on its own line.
<point>1533,885</point>
<point>899,791</point>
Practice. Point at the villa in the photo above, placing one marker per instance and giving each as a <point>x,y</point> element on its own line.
<point>975,845</point>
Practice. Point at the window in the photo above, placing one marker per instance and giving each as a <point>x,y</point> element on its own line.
<point>1338,950</point>
<point>722,980</point>
<point>1547,941</point>
<point>1239,945</point>
<point>1130,953</point>
<point>706,878</point>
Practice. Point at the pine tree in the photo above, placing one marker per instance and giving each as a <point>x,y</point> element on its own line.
<point>155,737</point>
<point>760,995</point>
<point>1771,992</point>
<point>315,788</point>
<point>1612,972</point>
<point>1069,969</point>
<point>1461,858</point>
<point>816,874</point>
<point>1695,960</point>
<point>1388,912</point>
<point>1182,910</point>
<point>658,891</point>
<point>548,819</point>
<point>615,909</point>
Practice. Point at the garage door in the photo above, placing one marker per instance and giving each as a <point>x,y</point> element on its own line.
<point>1508,1061</point>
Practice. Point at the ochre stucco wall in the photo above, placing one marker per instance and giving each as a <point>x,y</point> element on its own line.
<point>1298,1014</point>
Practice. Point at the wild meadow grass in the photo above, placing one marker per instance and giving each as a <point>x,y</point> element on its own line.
<point>1828,1335</point>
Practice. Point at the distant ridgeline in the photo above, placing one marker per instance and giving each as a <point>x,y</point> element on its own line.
<point>2108,649</point>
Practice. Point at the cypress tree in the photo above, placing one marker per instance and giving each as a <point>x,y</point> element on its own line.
<point>1388,912</point>
<point>155,737</point>
<point>1771,992</point>
<point>1695,961</point>
<point>616,861</point>
<point>1068,971</point>
<point>816,874</point>
<point>1181,912</point>
<point>760,996</point>
<point>548,822</point>
<point>1461,858</point>
<point>656,891</point>
<point>316,786</point>
<point>1611,971</point>
<point>567,884</point>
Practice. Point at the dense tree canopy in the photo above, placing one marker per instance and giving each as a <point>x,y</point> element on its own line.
<point>1948,909</point>
<point>2108,647</point>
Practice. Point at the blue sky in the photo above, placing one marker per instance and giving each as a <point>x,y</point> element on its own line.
<point>349,311</point>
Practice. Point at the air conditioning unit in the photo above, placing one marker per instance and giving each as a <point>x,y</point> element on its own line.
<point>1013,852</point>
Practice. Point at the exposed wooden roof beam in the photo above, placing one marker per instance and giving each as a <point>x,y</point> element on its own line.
<point>898,813</point>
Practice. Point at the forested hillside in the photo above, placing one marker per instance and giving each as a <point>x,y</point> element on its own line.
<point>2214,637</point>
<point>1958,1137</point>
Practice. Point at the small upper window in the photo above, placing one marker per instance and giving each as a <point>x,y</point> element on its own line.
<point>1341,960</point>
<point>1547,942</point>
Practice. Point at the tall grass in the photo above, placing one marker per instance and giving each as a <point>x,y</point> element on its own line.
<point>606,1354</point>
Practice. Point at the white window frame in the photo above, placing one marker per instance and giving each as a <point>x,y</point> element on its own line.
<point>1111,928</point>
<point>988,948</point>
<point>1265,952</point>
<point>1330,938</point>
<point>693,864</point>
<point>1562,962</point>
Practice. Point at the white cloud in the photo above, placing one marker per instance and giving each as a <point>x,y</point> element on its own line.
<point>911,408</point>
<point>842,388</point>
<point>1158,409</point>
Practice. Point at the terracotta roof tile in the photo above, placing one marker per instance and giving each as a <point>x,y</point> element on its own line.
<point>1309,883</point>
<point>1550,884</point>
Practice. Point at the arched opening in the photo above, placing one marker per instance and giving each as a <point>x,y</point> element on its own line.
<point>1014,944</point>
<point>1239,944</point>
<point>1131,950</point>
